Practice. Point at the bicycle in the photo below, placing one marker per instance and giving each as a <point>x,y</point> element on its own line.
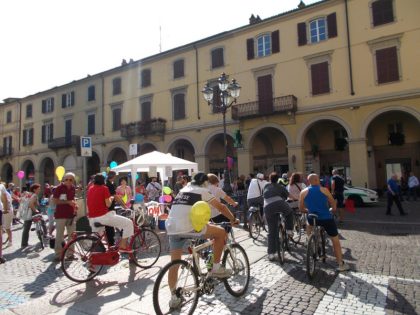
<point>193,275</point>
<point>283,239</point>
<point>4,235</point>
<point>315,250</point>
<point>85,254</point>
<point>255,222</point>
<point>299,223</point>
<point>40,228</point>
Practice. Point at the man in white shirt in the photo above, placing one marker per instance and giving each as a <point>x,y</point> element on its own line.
<point>413,184</point>
<point>4,207</point>
<point>255,195</point>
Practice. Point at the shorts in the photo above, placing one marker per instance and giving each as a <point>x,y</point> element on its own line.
<point>7,220</point>
<point>340,200</point>
<point>329,226</point>
<point>177,241</point>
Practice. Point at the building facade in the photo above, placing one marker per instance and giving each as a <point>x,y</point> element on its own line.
<point>335,84</point>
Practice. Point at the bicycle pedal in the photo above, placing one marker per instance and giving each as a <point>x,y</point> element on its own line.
<point>33,229</point>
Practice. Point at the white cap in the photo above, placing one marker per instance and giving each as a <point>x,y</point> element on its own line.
<point>260,176</point>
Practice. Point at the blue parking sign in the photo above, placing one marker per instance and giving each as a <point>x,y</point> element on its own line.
<point>86,146</point>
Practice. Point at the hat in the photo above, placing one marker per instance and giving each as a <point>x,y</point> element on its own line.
<point>284,176</point>
<point>260,176</point>
<point>199,179</point>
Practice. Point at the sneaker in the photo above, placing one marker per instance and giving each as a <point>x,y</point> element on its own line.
<point>175,302</point>
<point>271,257</point>
<point>222,272</point>
<point>343,267</point>
<point>290,233</point>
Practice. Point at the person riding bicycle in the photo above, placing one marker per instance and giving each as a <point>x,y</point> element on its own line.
<point>254,196</point>
<point>219,193</point>
<point>294,188</point>
<point>179,228</point>
<point>275,196</point>
<point>318,200</point>
<point>98,201</point>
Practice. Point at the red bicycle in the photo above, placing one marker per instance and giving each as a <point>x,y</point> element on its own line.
<point>84,255</point>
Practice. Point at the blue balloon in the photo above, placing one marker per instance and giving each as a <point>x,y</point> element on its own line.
<point>113,164</point>
<point>104,174</point>
<point>139,197</point>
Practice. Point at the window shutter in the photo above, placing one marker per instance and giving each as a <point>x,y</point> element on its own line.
<point>44,106</point>
<point>217,58</point>
<point>275,42</point>
<point>146,111</point>
<point>320,78</point>
<point>250,48</point>
<point>43,134</point>
<point>31,136</point>
<point>72,98</point>
<point>301,29</point>
<point>63,100</point>
<point>265,95</point>
<point>24,137</point>
<point>332,25</point>
<point>382,12</point>
<point>387,65</point>
<point>216,99</point>
<point>52,104</point>
<point>179,106</point>
<point>51,132</point>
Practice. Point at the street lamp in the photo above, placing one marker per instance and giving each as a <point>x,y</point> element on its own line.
<point>229,92</point>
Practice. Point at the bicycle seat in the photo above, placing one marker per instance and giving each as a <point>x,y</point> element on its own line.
<point>313,215</point>
<point>253,209</point>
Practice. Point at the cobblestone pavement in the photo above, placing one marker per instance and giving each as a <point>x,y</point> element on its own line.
<point>383,251</point>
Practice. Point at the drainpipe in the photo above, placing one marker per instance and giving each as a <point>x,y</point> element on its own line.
<point>103,106</point>
<point>20,124</point>
<point>349,49</point>
<point>197,82</point>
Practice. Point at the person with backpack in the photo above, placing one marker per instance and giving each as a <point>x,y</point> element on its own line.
<point>28,207</point>
<point>154,190</point>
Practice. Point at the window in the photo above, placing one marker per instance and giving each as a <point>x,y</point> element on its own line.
<point>116,119</point>
<point>340,139</point>
<point>265,94</point>
<point>91,93</point>
<point>320,29</point>
<point>146,78</point>
<point>320,78</point>
<point>7,145</point>
<point>217,102</point>
<point>179,106</point>
<point>68,130</point>
<point>382,12</point>
<point>48,105</point>
<point>146,110</point>
<point>267,44</point>
<point>28,136</point>
<point>67,99</point>
<point>116,86</point>
<point>29,111</point>
<point>9,117</point>
<point>387,65</point>
<point>91,124</point>
<point>178,69</point>
<point>217,59</point>
<point>396,133</point>
<point>47,133</point>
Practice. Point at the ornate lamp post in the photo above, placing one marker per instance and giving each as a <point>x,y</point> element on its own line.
<point>229,92</point>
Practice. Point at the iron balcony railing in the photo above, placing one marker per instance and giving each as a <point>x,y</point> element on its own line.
<point>154,126</point>
<point>64,142</point>
<point>283,104</point>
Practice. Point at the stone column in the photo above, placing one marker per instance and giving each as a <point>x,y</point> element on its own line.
<point>358,162</point>
<point>244,162</point>
<point>296,157</point>
<point>203,162</point>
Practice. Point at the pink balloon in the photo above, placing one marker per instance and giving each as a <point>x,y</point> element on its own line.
<point>168,198</point>
<point>21,174</point>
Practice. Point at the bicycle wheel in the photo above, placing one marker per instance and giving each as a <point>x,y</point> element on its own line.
<point>5,237</point>
<point>281,249</point>
<point>254,226</point>
<point>75,260</point>
<point>146,248</point>
<point>40,234</point>
<point>323,254</point>
<point>297,229</point>
<point>186,289</point>
<point>311,257</point>
<point>236,259</point>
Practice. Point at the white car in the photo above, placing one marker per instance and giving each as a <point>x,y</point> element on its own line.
<point>360,195</point>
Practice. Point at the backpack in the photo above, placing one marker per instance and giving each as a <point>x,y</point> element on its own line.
<point>24,212</point>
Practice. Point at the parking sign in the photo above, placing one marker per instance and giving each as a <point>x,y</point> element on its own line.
<point>86,146</point>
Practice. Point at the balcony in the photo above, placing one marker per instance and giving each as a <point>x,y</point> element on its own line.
<point>284,104</point>
<point>154,126</point>
<point>5,151</point>
<point>64,142</point>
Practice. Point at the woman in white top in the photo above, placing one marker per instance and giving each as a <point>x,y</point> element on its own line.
<point>295,187</point>
<point>216,216</point>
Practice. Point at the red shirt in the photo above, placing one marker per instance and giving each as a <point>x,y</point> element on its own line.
<point>64,193</point>
<point>96,200</point>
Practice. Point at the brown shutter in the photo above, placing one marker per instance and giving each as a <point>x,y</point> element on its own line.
<point>320,78</point>
<point>332,25</point>
<point>250,48</point>
<point>275,42</point>
<point>265,95</point>
<point>24,137</point>
<point>217,102</point>
<point>382,12</point>
<point>63,100</point>
<point>387,65</point>
<point>301,29</point>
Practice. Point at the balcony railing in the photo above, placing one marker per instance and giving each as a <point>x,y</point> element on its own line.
<point>6,151</point>
<point>64,142</point>
<point>284,104</point>
<point>154,126</point>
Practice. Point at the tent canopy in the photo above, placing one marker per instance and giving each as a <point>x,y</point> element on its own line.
<point>156,162</point>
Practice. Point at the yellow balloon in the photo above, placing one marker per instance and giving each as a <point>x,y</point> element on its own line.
<point>59,171</point>
<point>200,215</point>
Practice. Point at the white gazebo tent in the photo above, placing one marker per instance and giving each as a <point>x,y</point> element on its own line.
<point>155,162</point>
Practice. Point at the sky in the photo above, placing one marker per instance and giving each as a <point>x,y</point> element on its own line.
<point>48,43</point>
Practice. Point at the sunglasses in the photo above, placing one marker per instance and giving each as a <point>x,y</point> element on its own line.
<point>68,180</point>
